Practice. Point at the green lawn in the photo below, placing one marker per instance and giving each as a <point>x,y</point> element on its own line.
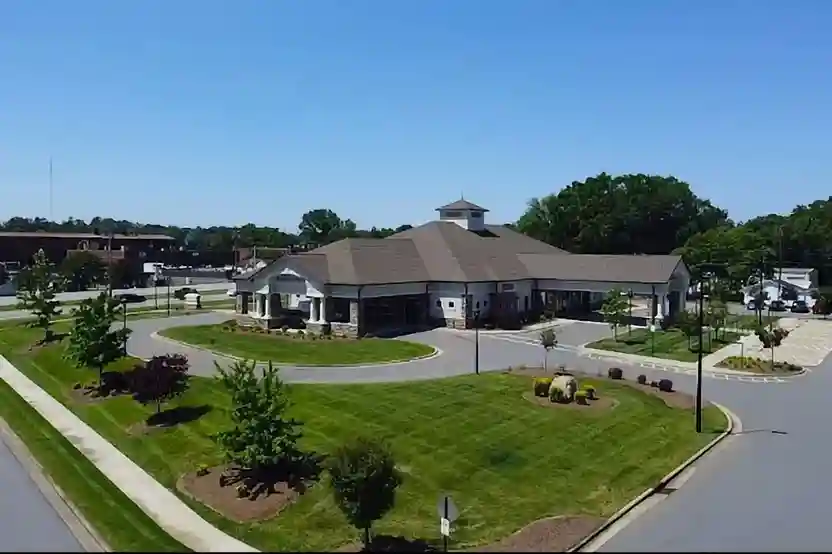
<point>213,301</point>
<point>748,321</point>
<point>293,350</point>
<point>118,521</point>
<point>505,460</point>
<point>670,345</point>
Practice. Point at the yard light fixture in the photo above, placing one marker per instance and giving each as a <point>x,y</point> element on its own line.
<point>168,283</point>
<point>124,322</point>
<point>653,320</point>
<point>630,306</point>
<point>702,293</point>
<point>477,342</point>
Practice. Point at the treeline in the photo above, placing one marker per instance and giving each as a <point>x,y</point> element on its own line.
<point>649,214</point>
<point>316,227</point>
<point>605,214</point>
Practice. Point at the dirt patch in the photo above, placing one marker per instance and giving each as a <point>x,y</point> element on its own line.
<point>557,534</point>
<point>225,501</point>
<point>674,399</point>
<point>600,404</point>
<point>90,395</point>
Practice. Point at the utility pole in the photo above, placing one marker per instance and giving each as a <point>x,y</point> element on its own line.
<point>110,264</point>
<point>699,356</point>
<point>780,262</point>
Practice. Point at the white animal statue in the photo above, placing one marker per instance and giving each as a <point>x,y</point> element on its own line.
<point>566,384</point>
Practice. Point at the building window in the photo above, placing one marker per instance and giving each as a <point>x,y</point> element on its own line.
<point>478,305</point>
<point>507,287</point>
<point>438,303</point>
<point>476,215</point>
<point>453,214</point>
<point>485,303</point>
<point>451,304</point>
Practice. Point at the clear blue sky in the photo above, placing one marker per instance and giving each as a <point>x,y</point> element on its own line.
<point>227,112</point>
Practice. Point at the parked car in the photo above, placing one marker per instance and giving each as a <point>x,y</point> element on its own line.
<point>800,307</point>
<point>130,298</point>
<point>777,306</point>
<point>752,305</point>
<point>179,294</point>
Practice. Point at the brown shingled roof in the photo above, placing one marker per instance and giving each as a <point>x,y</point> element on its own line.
<point>462,204</point>
<point>442,251</point>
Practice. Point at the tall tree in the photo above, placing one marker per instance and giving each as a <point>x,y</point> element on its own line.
<point>323,226</point>
<point>81,270</point>
<point>627,214</point>
<point>38,285</point>
<point>93,342</point>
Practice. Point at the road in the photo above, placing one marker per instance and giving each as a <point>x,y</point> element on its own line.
<point>70,296</point>
<point>163,302</point>
<point>762,490</point>
<point>28,523</point>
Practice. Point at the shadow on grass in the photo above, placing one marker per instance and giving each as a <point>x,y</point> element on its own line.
<point>389,543</point>
<point>178,415</point>
<point>264,481</point>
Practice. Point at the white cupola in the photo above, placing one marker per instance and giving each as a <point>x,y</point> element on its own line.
<point>463,213</point>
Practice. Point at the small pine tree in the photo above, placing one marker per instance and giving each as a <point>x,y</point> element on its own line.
<point>614,310</point>
<point>93,342</point>
<point>364,480</point>
<point>38,286</point>
<point>548,340</point>
<point>262,445</point>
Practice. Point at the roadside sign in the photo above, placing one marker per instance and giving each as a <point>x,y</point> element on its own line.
<point>445,527</point>
<point>652,328</point>
<point>446,508</point>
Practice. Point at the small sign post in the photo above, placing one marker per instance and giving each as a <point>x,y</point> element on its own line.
<point>447,513</point>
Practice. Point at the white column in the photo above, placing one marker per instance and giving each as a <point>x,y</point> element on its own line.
<point>313,309</point>
<point>261,305</point>
<point>661,312</point>
<point>268,301</point>
<point>322,310</point>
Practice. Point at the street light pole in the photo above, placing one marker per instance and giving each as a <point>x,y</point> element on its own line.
<point>699,357</point>
<point>477,342</point>
<point>653,320</point>
<point>630,306</point>
<point>124,323</point>
<point>168,283</point>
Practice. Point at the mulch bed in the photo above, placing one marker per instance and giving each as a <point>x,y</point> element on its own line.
<point>224,500</point>
<point>599,404</point>
<point>554,534</point>
<point>87,395</point>
<point>674,399</point>
<point>557,534</point>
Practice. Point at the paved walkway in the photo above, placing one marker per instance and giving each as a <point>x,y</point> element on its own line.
<point>162,505</point>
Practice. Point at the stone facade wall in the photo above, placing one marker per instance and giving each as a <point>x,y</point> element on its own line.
<point>344,329</point>
<point>453,323</point>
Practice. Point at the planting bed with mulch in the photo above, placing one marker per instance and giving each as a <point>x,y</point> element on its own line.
<point>599,404</point>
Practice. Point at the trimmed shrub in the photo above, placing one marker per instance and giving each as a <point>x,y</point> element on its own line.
<point>541,386</point>
<point>590,391</point>
<point>615,373</point>
<point>666,385</point>
<point>654,384</point>
<point>581,397</point>
<point>642,379</point>
<point>561,370</point>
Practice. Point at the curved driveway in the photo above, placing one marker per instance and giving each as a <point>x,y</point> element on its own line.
<point>764,490</point>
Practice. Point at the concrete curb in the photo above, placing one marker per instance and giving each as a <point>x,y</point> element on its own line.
<point>733,421</point>
<point>166,509</point>
<point>435,354</point>
<point>80,528</point>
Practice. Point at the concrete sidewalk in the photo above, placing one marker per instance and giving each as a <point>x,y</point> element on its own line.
<point>162,505</point>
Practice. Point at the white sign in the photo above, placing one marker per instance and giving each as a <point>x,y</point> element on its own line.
<point>445,527</point>
<point>652,328</point>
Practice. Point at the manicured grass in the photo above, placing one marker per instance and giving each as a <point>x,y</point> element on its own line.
<point>295,350</point>
<point>670,345</point>
<point>759,365</point>
<point>747,321</point>
<point>505,460</point>
<point>207,301</point>
<point>119,522</point>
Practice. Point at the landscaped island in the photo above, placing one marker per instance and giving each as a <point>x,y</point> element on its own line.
<point>506,460</point>
<point>672,344</point>
<point>297,348</point>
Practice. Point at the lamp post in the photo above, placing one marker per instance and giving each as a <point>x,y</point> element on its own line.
<point>124,322</point>
<point>168,283</point>
<point>630,306</point>
<point>705,276</point>
<point>477,342</point>
<point>653,320</point>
